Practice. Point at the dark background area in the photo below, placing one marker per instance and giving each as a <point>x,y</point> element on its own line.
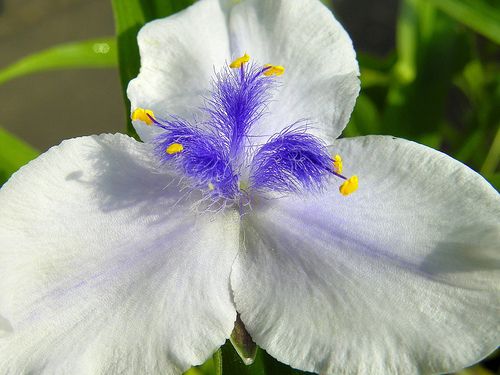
<point>45,108</point>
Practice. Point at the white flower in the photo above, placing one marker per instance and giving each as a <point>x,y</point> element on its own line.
<point>106,267</point>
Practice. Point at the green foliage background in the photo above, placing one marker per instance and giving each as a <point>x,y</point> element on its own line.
<point>440,87</point>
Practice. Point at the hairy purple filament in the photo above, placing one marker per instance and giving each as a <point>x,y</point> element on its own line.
<point>291,161</point>
<point>238,100</point>
<point>214,151</point>
<point>203,159</point>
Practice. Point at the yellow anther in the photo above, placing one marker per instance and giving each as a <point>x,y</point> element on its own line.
<point>349,186</point>
<point>337,164</point>
<point>174,148</point>
<point>273,69</point>
<point>143,115</point>
<point>239,61</point>
<point>211,186</point>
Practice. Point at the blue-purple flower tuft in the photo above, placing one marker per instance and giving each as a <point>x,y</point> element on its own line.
<point>238,100</point>
<point>202,160</point>
<point>291,161</point>
<point>214,154</point>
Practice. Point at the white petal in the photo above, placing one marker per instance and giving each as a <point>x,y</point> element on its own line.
<point>5,326</point>
<point>401,277</point>
<point>320,82</point>
<point>178,58</point>
<point>105,270</point>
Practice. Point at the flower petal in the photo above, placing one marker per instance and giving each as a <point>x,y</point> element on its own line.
<point>320,83</point>
<point>178,57</point>
<point>400,277</point>
<point>106,269</point>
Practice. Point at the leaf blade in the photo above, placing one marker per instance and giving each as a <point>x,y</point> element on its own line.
<point>96,53</point>
<point>479,15</point>
<point>14,153</point>
<point>130,16</point>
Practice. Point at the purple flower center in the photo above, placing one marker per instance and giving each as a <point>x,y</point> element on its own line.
<point>217,155</point>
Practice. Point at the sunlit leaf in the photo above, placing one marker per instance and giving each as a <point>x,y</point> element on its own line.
<point>475,370</point>
<point>14,153</point>
<point>470,146</point>
<point>130,16</point>
<point>217,361</point>
<point>406,41</point>
<point>370,78</point>
<point>416,101</point>
<point>210,367</point>
<point>492,161</point>
<point>97,53</point>
<point>433,139</point>
<point>480,15</point>
<point>365,118</point>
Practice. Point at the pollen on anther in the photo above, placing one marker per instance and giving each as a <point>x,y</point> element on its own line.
<point>337,164</point>
<point>270,70</point>
<point>349,186</point>
<point>174,148</point>
<point>239,61</point>
<point>144,115</point>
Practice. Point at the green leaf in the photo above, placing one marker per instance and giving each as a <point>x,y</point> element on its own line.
<point>130,16</point>
<point>232,363</point>
<point>210,367</point>
<point>406,41</point>
<point>480,15</point>
<point>272,366</point>
<point>416,101</point>
<point>97,53</point>
<point>371,78</point>
<point>14,153</point>
<point>365,118</point>
<point>217,360</point>
<point>161,8</point>
<point>470,145</point>
<point>475,370</point>
<point>492,160</point>
<point>264,364</point>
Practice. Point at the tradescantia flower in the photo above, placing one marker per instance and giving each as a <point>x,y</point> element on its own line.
<point>122,257</point>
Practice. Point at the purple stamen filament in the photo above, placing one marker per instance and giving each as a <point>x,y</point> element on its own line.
<point>215,152</point>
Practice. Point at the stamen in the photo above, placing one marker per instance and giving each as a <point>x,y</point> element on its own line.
<point>215,153</point>
<point>270,70</point>
<point>238,99</point>
<point>144,115</point>
<point>204,160</point>
<point>174,148</point>
<point>291,161</point>
<point>239,61</point>
<point>337,164</point>
<point>349,186</point>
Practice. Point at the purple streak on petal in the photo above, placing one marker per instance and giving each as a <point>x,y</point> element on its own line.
<point>238,99</point>
<point>204,160</point>
<point>291,161</point>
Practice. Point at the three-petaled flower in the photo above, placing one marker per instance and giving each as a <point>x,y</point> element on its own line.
<point>122,257</point>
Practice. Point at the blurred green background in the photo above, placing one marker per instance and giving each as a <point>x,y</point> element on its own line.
<point>430,72</point>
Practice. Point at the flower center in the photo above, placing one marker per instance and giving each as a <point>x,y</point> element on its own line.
<point>218,155</point>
